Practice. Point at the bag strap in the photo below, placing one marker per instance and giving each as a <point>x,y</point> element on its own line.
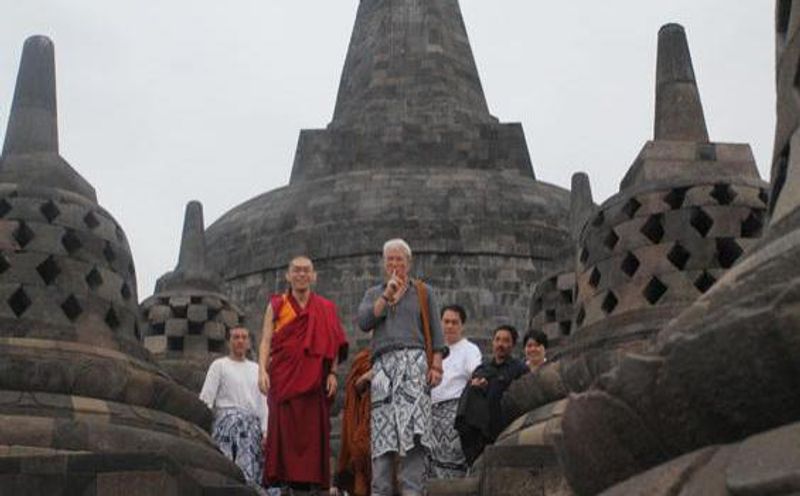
<point>422,294</point>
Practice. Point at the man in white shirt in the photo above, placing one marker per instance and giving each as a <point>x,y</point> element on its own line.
<point>240,410</point>
<point>446,457</point>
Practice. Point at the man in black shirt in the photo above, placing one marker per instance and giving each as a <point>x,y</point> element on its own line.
<point>480,418</point>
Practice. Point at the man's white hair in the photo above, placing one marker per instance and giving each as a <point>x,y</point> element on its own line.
<point>397,244</point>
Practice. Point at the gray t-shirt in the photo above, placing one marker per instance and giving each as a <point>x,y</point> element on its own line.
<point>400,327</point>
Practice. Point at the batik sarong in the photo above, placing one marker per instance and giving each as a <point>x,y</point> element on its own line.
<point>238,435</point>
<point>446,456</point>
<point>401,402</point>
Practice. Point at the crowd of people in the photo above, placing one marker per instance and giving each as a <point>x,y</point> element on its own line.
<point>420,402</point>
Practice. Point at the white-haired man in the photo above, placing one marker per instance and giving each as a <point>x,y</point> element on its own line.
<point>402,376</point>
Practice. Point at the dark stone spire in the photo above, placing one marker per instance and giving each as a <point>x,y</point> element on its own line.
<point>191,271</point>
<point>32,125</point>
<point>581,204</point>
<point>30,153</point>
<point>679,113</point>
<point>410,61</point>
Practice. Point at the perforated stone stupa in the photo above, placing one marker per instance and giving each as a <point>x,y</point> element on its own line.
<point>412,152</point>
<point>83,408</point>
<point>188,317</point>
<point>687,210</point>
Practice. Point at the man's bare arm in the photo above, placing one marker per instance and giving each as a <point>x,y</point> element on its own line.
<point>264,350</point>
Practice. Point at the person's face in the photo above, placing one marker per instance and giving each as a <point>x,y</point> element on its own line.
<point>396,262</point>
<point>301,274</point>
<point>239,342</point>
<point>502,345</point>
<point>452,326</point>
<point>534,352</point>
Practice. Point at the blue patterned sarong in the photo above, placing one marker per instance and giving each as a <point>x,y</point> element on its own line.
<point>238,435</point>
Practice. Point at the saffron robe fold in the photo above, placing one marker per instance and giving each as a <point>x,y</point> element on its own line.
<point>305,342</point>
<point>354,473</point>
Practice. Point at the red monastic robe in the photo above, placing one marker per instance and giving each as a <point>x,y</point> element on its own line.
<point>305,342</point>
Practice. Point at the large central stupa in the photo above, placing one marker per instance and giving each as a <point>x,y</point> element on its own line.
<point>412,152</point>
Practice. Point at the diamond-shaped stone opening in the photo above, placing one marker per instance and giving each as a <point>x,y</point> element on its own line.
<point>676,197</point>
<point>653,229</point>
<point>580,317</point>
<point>704,282</point>
<point>5,207</point>
<point>594,278</point>
<point>701,221</point>
<point>631,208</point>
<point>71,242</point>
<point>216,346</point>
<point>91,221</point>
<point>753,225</point>
<point>4,263</point>
<point>599,219</point>
<point>50,211</point>
<point>728,252</point>
<point>48,270</point>
<point>566,296</point>
<point>609,303</point>
<point>19,302</point>
<point>175,343</point>
<point>94,279</point>
<point>550,315</point>
<point>679,256</point>
<point>763,196</point>
<point>108,253</point>
<point>72,309</point>
<point>565,327</point>
<point>611,240</point>
<point>723,194</point>
<point>630,264</point>
<point>654,290</point>
<point>23,234</point>
<point>112,320</point>
<point>125,291</point>
<point>584,256</point>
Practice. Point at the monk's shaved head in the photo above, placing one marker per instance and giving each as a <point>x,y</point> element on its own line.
<point>301,261</point>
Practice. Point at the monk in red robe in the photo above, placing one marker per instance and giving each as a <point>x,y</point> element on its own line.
<point>302,342</point>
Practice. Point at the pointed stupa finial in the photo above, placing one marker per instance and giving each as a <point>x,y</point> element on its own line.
<point>581,205</point>
<point>192,272</point>
<point>409,61</point>
<point>33,123</point>
<point>30,152</point>
<point>192,256</point>
<point>679,112</point>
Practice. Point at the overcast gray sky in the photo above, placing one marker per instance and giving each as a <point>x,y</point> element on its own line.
<point>164,102</point>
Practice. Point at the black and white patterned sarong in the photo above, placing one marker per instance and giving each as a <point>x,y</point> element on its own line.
<point>238,435</point>
<point>401,402</point>
<point>446,456</point>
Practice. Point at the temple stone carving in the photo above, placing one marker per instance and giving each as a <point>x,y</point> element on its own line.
<point>413,152</point>
<point>686,212</point>
<point>77,389</point>
<point>188,317</point>
<point>713,406</point>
